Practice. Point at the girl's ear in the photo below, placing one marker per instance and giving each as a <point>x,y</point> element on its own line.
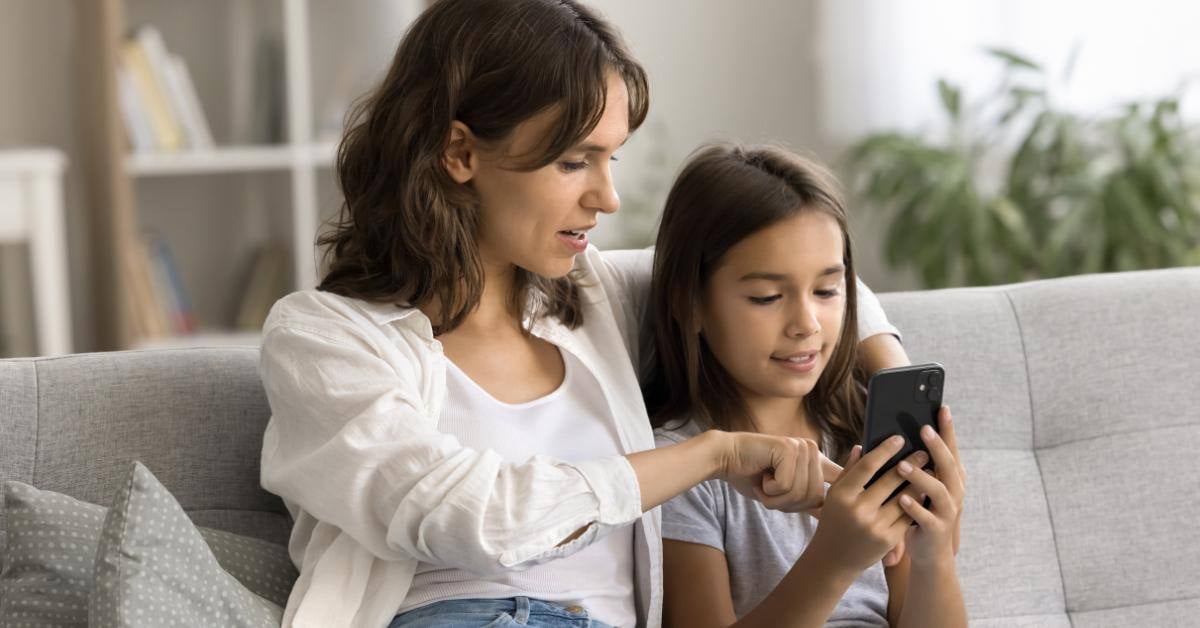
<point>461,155</point>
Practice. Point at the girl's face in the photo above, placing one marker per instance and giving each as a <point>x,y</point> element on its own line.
<point>772,311</point>
<point>539,220</point>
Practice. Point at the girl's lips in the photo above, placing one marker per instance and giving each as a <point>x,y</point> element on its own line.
<point>577,244</point>
<point>802,366</point>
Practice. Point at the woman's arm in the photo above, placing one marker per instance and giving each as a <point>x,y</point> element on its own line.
<point>879,346</point>
<point>352,442</point>
<point>881,351</point>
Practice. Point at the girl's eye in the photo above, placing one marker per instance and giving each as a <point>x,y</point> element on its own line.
<point>827,294</point>
<point>765,300</point>
<point>572,166</point>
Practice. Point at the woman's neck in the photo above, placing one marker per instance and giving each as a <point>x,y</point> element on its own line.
<point>495,310</point>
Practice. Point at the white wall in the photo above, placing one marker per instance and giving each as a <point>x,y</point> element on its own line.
<point>719,70</point>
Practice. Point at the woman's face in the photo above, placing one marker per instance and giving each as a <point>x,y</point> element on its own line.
<point>539,220</point>
<point>772,311</point>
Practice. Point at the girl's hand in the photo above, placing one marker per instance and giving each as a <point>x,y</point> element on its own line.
<point>858,526</point>
<point>935,538</point>
<point>783,473</point>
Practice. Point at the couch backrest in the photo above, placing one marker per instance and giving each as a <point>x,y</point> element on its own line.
<point>195,417</point>
<point>1077,404</point>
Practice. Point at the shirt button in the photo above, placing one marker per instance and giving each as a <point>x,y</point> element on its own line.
<point>575,609</point>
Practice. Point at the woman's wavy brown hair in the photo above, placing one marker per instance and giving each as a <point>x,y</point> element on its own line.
<point>724,194</point>
<point>406,232</point>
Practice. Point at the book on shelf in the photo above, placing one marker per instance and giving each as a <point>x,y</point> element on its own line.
<point>158,99</point>
<point>159,306</point>
<point>266,281</point>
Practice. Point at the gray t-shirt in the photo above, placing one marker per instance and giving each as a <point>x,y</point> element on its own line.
<point>760,545</point>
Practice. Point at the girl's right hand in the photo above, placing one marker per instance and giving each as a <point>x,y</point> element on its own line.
<point>783,473</point>
<point>858,526</point>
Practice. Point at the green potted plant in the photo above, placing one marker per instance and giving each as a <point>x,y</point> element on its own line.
<point>1074,194</point>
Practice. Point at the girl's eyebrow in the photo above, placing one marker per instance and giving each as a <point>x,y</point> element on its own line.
<point>832,270</point>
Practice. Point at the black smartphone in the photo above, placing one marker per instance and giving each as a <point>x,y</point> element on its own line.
<point>901,401</point>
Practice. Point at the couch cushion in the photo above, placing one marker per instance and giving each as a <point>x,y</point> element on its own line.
<point>1007,538</point>
<point>1113,361</point>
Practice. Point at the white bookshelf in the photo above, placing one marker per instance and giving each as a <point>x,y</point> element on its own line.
<point>302,158</point>
<point>230,159</point>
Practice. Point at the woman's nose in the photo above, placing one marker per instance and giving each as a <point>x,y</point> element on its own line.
<point>602,196</point>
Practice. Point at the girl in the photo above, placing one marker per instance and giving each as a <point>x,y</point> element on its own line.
<point>754,307</point>
<point>456,421</point>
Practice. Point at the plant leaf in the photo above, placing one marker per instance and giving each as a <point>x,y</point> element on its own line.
<point>951,98</point>
<point>1012,59</point>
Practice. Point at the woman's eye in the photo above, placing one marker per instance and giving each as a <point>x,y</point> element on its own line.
<point>827,294</point>
<point>765,300</point>
<point>572,166</point>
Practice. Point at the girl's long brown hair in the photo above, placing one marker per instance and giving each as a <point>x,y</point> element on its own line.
<point>406,230</point>
<point>724,194</point>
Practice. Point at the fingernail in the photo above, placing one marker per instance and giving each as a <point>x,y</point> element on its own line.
<point>896,440</point>
<point>905,468</point>
<point>921,457</point>
<point>906,500</point>
<point>927,432</point>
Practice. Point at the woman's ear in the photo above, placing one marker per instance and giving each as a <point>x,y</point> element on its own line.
<point>460,157</point>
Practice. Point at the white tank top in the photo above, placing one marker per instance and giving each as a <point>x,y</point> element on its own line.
<point>572,423</point>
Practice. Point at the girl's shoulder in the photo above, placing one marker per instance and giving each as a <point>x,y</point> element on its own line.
<point>676,431</point>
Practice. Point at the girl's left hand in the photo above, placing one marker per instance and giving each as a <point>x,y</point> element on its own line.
<point>935,537</point>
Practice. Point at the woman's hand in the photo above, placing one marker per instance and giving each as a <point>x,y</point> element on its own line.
<point>787,474</point>
<point>936,536</point>
<point>858,526</point>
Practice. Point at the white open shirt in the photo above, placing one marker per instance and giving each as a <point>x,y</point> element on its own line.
<point>353,448</point>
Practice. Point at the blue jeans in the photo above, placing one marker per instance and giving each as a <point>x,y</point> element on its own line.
<point>517,611</point>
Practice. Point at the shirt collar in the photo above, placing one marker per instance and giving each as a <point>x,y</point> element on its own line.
<point>382,312</point>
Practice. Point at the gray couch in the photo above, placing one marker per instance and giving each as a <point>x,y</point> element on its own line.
<point>1077,403</point>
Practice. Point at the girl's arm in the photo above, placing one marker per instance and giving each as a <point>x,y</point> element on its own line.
<point>924,589</point>
<point>697,594</point>
<point>934,597</point>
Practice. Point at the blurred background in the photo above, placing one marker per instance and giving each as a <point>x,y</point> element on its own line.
<point>165,165</point>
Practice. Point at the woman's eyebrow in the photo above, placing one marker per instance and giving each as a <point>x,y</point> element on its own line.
<point>592,147</point>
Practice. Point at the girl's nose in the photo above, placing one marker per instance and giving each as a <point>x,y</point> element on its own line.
<point>803,324</point>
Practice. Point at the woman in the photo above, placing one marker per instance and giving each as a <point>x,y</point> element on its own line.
<point>462,299</point>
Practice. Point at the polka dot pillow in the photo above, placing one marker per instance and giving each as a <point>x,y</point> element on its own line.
<point>52,543</point>
<point>154,569</point>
